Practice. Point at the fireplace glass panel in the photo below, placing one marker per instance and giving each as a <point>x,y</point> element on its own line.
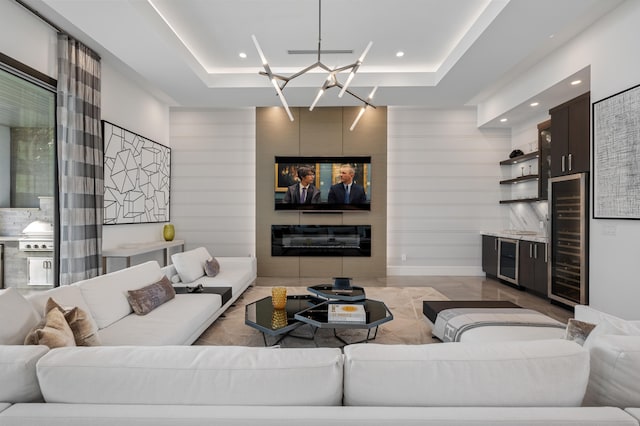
<point>321,240</point>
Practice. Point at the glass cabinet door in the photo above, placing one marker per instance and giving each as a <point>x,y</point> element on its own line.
<point>568,269</point>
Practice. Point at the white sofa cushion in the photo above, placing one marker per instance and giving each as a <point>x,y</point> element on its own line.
<point>635,412</point>
<point>540,373</point>
<point>106,295</point>
<point>190,264</point>
<point>198,375</point>
<point>18,381</point>
<point>17,317</point>
<point>615,371</point>
<point>172,323</point>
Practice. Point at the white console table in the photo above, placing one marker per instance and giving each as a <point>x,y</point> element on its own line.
<point>127,251</point>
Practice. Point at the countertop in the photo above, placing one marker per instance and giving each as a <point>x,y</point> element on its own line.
<point>9,238</point>
<point>517,235</point>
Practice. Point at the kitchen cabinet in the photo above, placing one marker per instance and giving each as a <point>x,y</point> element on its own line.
<point>570,130</point>
<point>533,266</point>
<point>490,255</point>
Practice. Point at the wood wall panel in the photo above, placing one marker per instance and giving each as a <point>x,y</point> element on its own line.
<point>324,132</point>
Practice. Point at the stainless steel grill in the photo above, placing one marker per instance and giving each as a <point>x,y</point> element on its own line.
<point>37,236</point>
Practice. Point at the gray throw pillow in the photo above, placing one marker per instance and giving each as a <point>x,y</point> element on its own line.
<point>212,267</point>
<point>146,299</point>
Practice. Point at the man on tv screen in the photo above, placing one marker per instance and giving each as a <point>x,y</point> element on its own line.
<point>347,192</point>
<point>303,192</point>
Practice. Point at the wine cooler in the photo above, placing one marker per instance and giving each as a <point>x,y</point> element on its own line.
<point>568,239</point>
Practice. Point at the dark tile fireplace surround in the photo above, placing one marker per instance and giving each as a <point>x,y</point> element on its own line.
<point>321,240</point>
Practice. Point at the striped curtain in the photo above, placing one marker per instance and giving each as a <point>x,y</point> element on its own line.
<point>80,161</point>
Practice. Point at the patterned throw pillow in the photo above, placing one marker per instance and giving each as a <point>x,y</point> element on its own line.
<point>578,331</point>
<point>146,299</point>
<point>84,331</point>
<point>212,267</point>
<point>55,332</point>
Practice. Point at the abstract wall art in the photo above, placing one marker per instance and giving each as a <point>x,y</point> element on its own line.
<point>137,177</point>
<point>616,164</point>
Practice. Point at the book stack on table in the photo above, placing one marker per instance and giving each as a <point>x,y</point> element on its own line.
<point>342,312</point>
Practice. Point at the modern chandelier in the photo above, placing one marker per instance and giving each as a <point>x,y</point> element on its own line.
<point>331,80</point>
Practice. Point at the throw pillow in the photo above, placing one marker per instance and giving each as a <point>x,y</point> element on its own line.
<point>578,331</point>
<point>17,317</point>
<point>190,264</point>
<point>55,333</point>
<point>146,299</point>
<point>609,326</point>
<point>212,267</point>
<point>84,330</point>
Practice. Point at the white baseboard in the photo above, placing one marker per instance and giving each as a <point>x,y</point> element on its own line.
<point>461,271</point>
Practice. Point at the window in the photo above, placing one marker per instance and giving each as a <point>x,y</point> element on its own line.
<point>27,139</point>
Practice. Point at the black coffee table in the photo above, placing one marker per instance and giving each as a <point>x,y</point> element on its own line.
<point>276,323</point>
<point>311,310</point>
<point>376,312</point>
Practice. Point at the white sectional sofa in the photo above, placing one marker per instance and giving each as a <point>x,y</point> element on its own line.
<point>178,322</point>
<point>159,381</point>
<point>513,383</point>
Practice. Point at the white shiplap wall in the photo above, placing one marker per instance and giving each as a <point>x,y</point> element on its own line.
<point>442,190</point>
<point>213,179</point>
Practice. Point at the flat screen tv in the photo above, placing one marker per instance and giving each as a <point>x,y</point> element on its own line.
<point>322,181</point>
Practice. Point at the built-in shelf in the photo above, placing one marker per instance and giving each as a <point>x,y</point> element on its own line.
<point>515,160</point>
<point>519,179</point>
<point>526,178</point>
<point>523,200</point>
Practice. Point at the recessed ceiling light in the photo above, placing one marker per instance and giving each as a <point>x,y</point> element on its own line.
<point>576,82</point>
<point>400,54</point>
<point>242,55</point>
<point>503,120</point>
<point>534,104</point>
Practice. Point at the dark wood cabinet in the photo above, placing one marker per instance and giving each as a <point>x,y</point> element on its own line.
<point>490,255</point>
<point>570,136</point>
<point>533,267</point>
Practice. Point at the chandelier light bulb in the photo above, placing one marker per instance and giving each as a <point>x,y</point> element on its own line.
<point>315,101</point>
<point>355,122</point>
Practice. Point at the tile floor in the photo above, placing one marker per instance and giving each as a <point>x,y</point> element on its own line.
<point>455,288</point>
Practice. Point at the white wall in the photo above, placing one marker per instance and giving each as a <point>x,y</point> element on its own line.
<point>125,104</point>
<point>443,190</point>
<point>609,47</point>
<point>27,39</point>
<point>213,179</point>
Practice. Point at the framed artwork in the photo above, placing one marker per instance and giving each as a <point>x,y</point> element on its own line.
<point>137,177</point>
<point>616,159</point>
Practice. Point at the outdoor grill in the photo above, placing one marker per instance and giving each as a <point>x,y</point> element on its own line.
<point>37,236</point>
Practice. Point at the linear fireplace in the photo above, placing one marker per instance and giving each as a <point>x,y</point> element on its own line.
<point>321,240</point>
